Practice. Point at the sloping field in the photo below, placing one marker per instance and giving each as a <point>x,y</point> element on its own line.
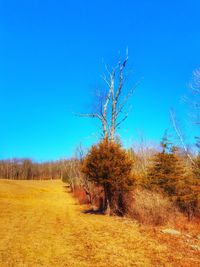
<point>41,225</point>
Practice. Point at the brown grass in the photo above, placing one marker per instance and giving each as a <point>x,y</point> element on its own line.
<point>150,208</point>
<point>42,225</point>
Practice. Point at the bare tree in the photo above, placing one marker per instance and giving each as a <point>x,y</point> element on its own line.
<point>194,101</point>
<point>112,109</point>
<point>180,135</point>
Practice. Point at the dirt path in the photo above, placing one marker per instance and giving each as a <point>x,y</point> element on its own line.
<point>41,225</point>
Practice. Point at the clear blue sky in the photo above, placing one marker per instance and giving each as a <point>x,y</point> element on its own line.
<point>52,54</point>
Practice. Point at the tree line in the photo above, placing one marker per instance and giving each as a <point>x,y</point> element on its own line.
<point>27,169</point>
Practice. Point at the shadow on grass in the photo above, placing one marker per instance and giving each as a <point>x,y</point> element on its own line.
<point>91,211</point>
<point>67,189</point>
<point>100,211</point>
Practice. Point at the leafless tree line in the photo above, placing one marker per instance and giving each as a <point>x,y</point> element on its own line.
<point>27,169</point>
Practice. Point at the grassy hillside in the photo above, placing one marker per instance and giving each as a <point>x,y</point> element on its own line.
<point>42,225</point>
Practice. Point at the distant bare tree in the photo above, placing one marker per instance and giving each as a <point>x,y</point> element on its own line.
<point>195,98</point>
<point>111,107</point>
<point>195,85</point>
<point>180,135</point>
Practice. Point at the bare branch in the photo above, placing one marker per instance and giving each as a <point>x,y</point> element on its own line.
<point>126,98</point>
<point>105,80</point>
<point>89,115</point>
<point>121,121</point>
<point>121,78</point>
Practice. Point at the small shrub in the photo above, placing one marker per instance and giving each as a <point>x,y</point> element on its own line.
<point>148,207</point>
<point>80,195</point>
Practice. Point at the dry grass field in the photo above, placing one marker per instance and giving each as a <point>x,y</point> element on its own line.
<point>42,225</point>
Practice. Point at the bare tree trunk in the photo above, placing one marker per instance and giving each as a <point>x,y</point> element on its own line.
<point>107,201</point>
